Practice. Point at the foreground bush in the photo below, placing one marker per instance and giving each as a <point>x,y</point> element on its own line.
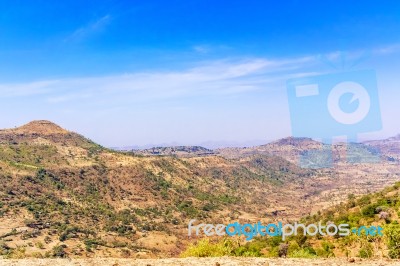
<point>204,248</point>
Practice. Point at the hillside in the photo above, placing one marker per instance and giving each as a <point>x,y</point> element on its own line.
<point>381,209</point>
<point>376,209</point>
<point>304,152</point>
<point>288,147</point>
<point>66,196</point>
<point>301,150</point>
<point>390,147</point>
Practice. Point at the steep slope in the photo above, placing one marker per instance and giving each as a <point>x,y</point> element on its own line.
<point>44,130</point>
<point>372,220</point>
<point>64,195</point>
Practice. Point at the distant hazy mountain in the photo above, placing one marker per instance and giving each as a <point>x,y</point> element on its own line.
<point>180,151</point>
<point>389,147</point>
<point>207,144</point>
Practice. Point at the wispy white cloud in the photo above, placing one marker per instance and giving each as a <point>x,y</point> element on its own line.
<point>390,49</point>
<point>89,29</point>
<point>148,101</point>
<point>203,49</point>
<point>68,97</point>
<point>222,77</point>
<point>346,60</point>
<point>27,89</point>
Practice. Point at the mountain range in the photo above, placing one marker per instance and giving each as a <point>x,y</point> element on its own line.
<point>64,195</point>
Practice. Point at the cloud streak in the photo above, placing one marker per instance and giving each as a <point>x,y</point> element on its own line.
<point>211,78</point>
<point>208,98</point>
<point>89,29</point>
<point>221,77</point>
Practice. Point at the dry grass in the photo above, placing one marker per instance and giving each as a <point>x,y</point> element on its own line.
<point>225,261</point>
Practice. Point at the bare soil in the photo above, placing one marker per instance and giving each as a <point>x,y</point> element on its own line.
<point>225,261</point>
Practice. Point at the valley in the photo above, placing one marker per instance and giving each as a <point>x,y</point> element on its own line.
<point>66,196</point>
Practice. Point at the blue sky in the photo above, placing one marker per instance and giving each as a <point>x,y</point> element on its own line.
<point>186,72</point>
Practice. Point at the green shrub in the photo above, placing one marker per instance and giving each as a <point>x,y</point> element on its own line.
<point>40,245</point>
<point>369,210</point>
<point>364,200</point>
<point>365,252</point>
<point>303,253</point>
<point>17,253</point>
<point>251,249</point>
<point>326,251</point>
<point>59,252</point>
<point>204,248</point>
<point>273,252</point>
<point>293,247</point>
<point>274,241</point>
<point>92,243</point>
<point>392,233</point>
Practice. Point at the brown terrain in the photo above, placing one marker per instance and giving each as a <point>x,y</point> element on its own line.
<point>66,196</point>
<point>225,261</point>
